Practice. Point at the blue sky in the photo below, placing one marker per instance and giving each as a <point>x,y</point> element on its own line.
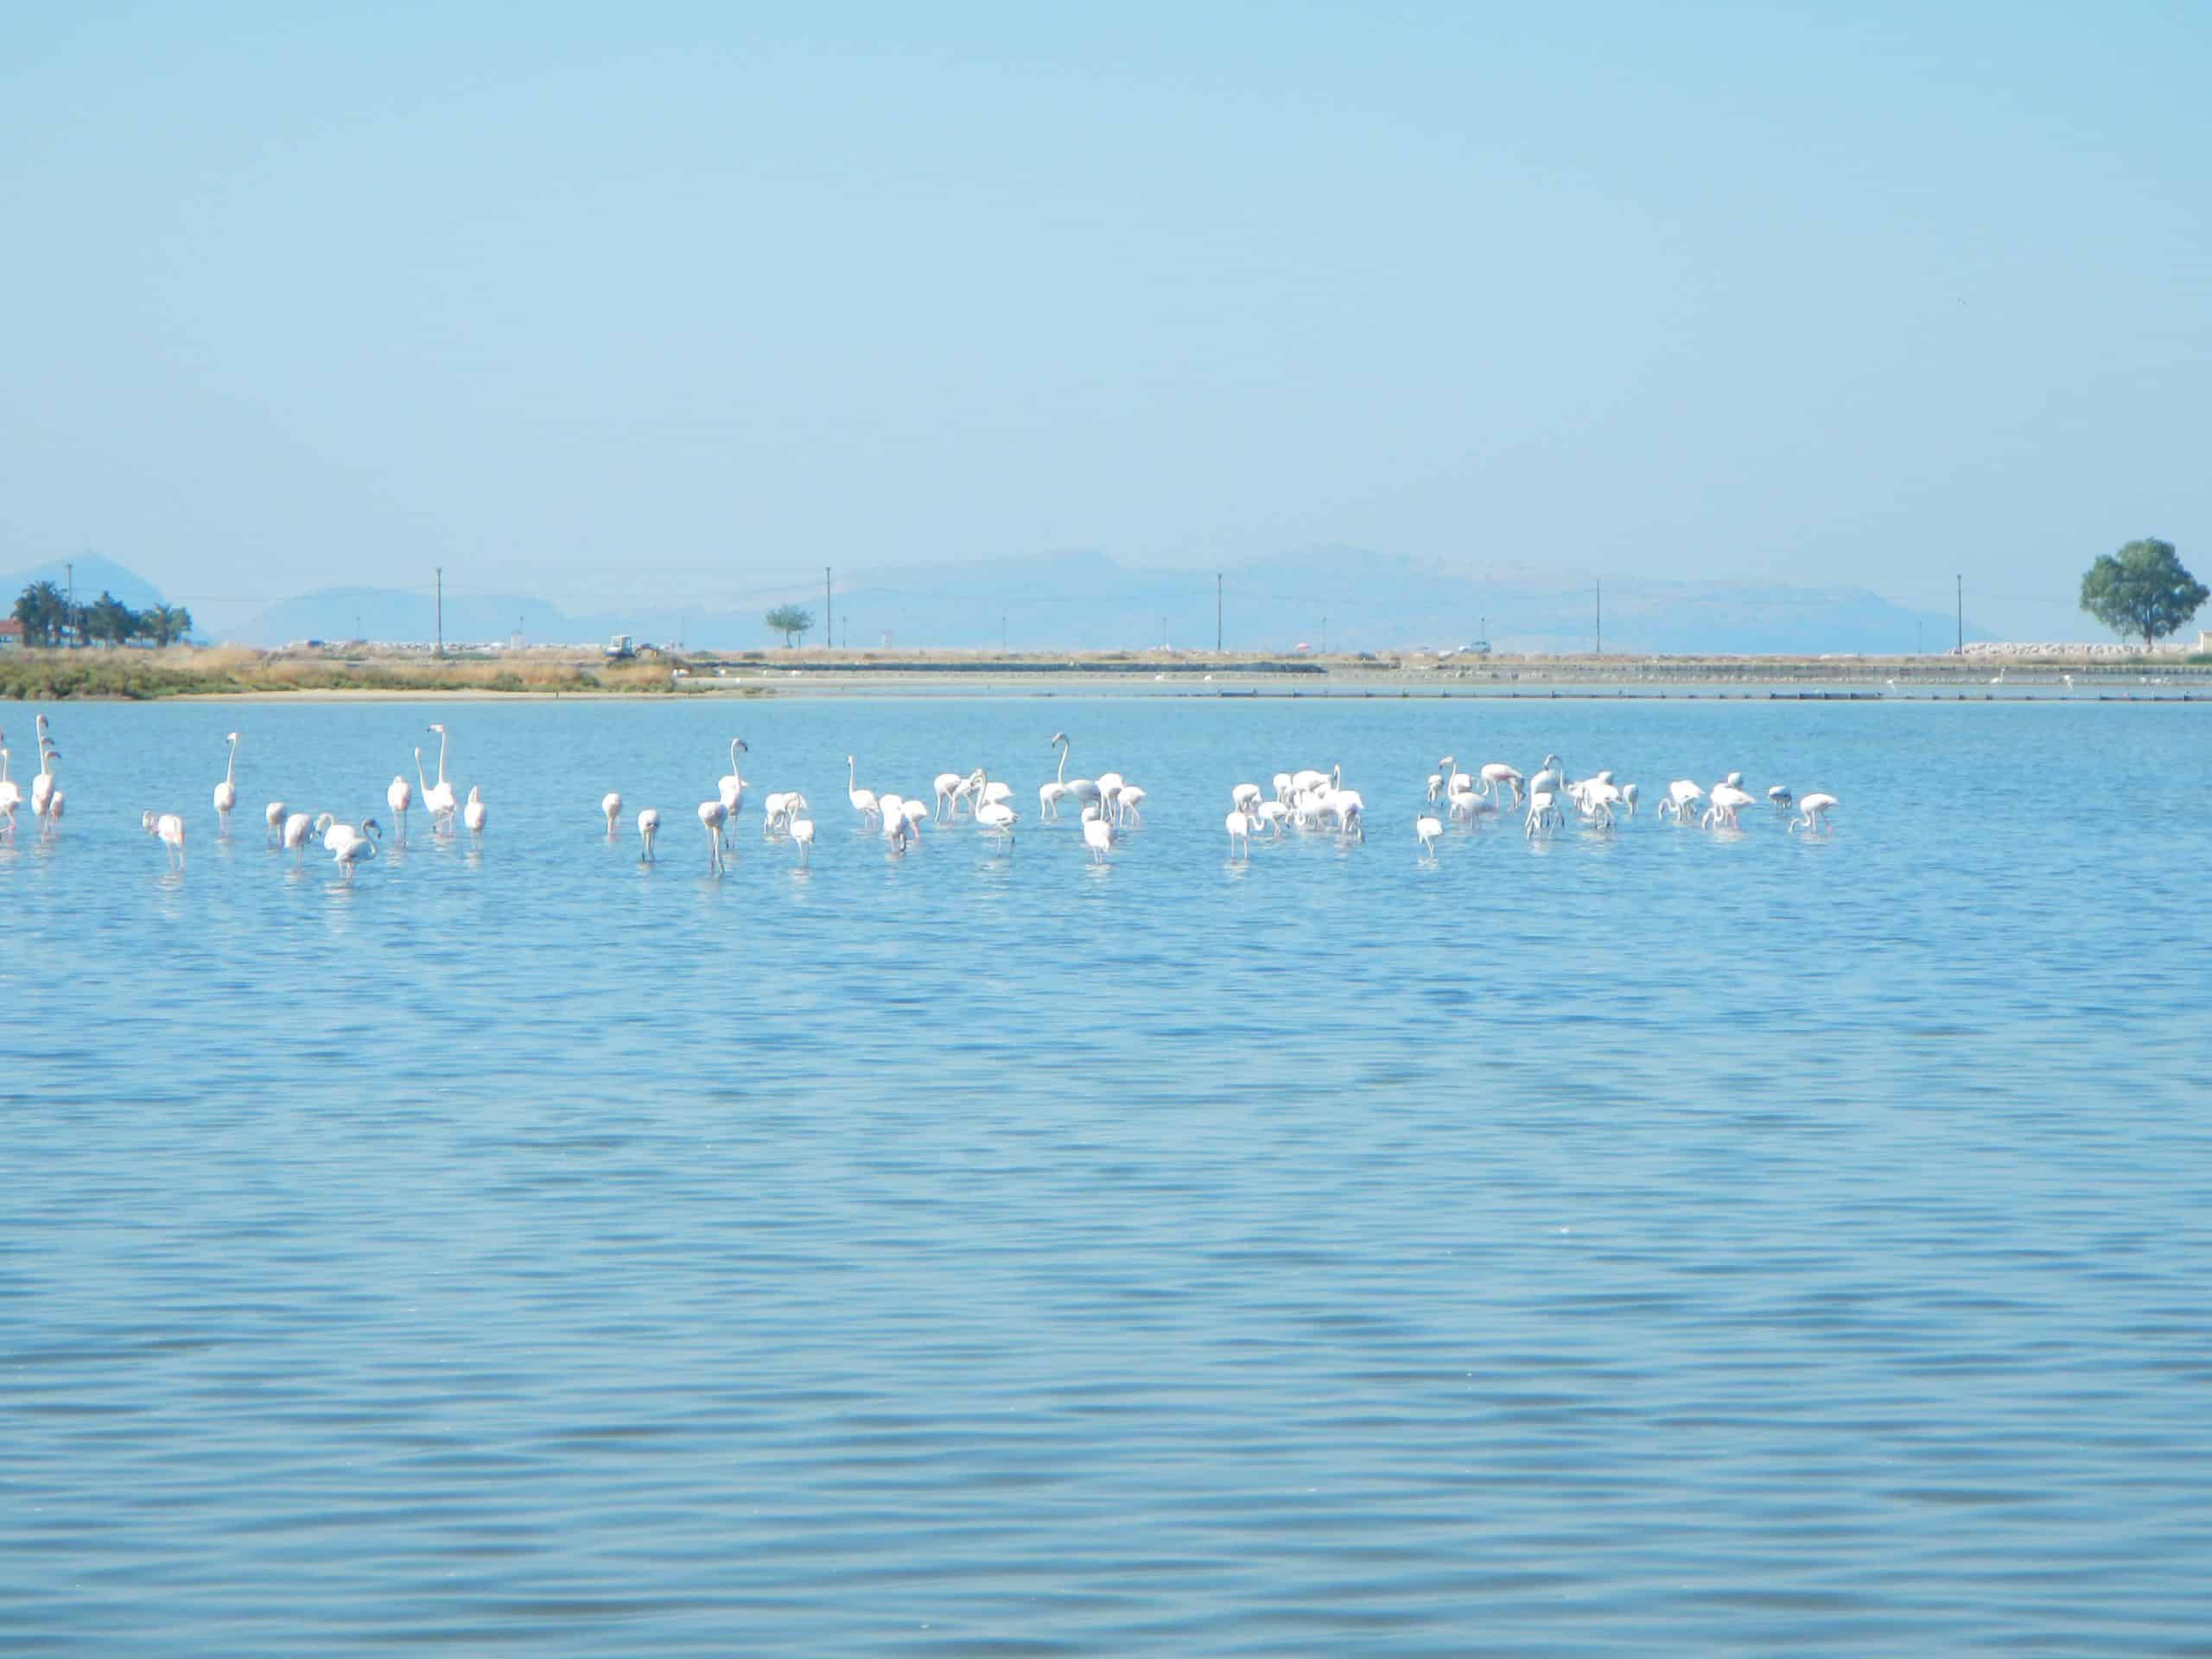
<point>583,301</point>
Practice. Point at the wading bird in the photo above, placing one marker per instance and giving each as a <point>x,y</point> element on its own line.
<point>169,829</point>
<point>226,791</point>
<point>648,827</point>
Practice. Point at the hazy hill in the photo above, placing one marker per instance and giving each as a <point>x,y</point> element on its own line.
<point>93,573</point>
<point>1349,598</point>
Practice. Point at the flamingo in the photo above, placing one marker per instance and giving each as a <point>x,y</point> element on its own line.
<point>648,827</point>
<point>1724,799</point>
<point>1496,774</point>
<point>1681,795</point>
<point>1239,825</point>
<point>438,799</point>
<point>916,814</point>
<point>1097,833</point>
<point>1436,786</point>
<point>610,805</point>
<point>168,828</point>
<point>1816,810</point>
<point>10,795</point>
<point>1270,818</point>
<point>1453,780</point>
<point>1426,830</point>
<point>1083,789</point>
<point>298,827</point>
<point>1464,803</point>
<point>1595,802</point>
<point>1628,796</point>
<point>732,788</point>
<point>999,818</point>
<point>54,812</point>
<point>776,811</point>
<point>352,850</point>
<point>1049,796</point>
<point>1245,797</point>
<point>863,800</point>
<point>802,833</point>
<point>42,786</point>
<point>1129,800</point>
<point>950,787</point>
<point>712,815</point>
<point>399,795</point>
<point>473,814</point>
<point>272,815</point>
<point>1544,814</point>
<point>1779,794</point>
<point>1550,777</point>
<point>227,792</point>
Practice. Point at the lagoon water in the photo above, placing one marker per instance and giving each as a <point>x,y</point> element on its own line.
<point>1655,1243</point>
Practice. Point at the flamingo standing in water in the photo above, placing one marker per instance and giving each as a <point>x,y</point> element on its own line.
<point>648,827</point>
<point>272,815</point>
<point>42,786</point>
<point>1815,808</point>
<point>10,795</point>
<point>1426,830</point>
<point>731,788</point>
<point>1049,796</point>
<point>354,848</point>
<point>863,800</point>
<point>438,798</point>
<point>711,815</point>
<point>1097,833</point>
<point>473,815</point>
<point>298,826</point>
<point>802,831</point>
<point>1239,825</point>
<point>168,828</point>
<point>999,818</point>
<point>399,795</point>
<point>227,792</point>
<point>611,804</point>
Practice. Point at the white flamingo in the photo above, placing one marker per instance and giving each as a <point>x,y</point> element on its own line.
<point>1239,825</point>
<point>438,798</point>
<point>1544,814</point>
<point>951,788</point>
<point>355,848</point>
<point>999,818</point>
<point>1779,795</point>
<point>1049,796</point>
<point>11,794</point>
<point>1723,801</point>
<point>803,834</point>
<point>863,800</point>
<point>473,815</point>
<point>915,815</point>
<point>610,806</point>
<point>711,815</point>
<point>732,787</point>
<point>1130,799</point>
<point>1097,833</point>
<point>169,829</point>
<point>1497,775</point>
<point>298,826</point>
<point>227,792</point>
<point>1683,797</point>
<point>272,817</point>
<point>648,827</point>
<point>1816,810</point>
<point>1426,830</point>
<point>42,786</point>
<point>399,796</point>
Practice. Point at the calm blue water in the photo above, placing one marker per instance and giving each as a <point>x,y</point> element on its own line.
<point>1665,1242</point>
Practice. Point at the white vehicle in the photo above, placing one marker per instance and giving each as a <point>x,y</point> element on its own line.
<point>620,649</point>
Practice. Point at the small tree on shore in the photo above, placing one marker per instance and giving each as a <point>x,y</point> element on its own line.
<point>111,619</point>
<point>43,609</point>
<point>791,621</point>
<point>2142,589</point>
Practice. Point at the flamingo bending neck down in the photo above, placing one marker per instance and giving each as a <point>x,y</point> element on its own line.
<point>711,815</point>
<point>473,815</point>
<point>273,816</point>
<point>648,827</point>
<point>399,795</point>
<point>355,848</point>
<point>297,828</point>
<point>1426,830</point>
<point>169,829</point>
<point>611,804</point>
<point>1816,810</point>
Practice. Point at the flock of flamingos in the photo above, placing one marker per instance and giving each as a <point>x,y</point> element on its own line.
<point>1309,800</point>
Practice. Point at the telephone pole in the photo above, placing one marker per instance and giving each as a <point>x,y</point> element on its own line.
<point>1598,588</point>
<point>69,615</point>
<point>828,617</point>
<point>1962,616</point>
<point>441,612</point>
<point>1217,613</point>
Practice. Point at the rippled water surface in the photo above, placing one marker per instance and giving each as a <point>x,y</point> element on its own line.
<point>1656,1243</point>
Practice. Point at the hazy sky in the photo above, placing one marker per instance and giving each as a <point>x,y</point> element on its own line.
<point>589,299</point>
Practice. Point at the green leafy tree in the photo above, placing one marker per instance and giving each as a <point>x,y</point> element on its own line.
<point>2142,589</point>
<point>43,609</point>
<point>164,623</point>
<point>111,619</point>
<point>791,621</point>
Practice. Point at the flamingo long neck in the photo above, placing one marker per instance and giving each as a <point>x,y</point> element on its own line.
<point>419,778</point>
<point>441,760</point>
<point>734,770</point>
<point>1063,778</point>
<point>852,775</point>
<point>231,767</point>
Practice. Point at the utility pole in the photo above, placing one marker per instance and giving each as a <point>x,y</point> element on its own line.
<point>69,615</point>
<point>1597,587</point>
<point>828,617</point>
<point>1962,616</point>
<point>442,611</point>
<point>1217,613</point>
<point>1325,636</point>
<point>1002,634</point>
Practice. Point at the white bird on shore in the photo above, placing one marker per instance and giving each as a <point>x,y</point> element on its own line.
<point>648,827</point>
<point>227,792</point>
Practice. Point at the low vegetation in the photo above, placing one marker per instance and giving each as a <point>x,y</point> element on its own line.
<point>55,676</point>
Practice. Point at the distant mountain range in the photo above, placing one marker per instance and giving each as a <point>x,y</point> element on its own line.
<point>1344,598</point>
<point>93,574</point>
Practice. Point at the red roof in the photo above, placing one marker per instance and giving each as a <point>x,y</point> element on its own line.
<point>9,625</point>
